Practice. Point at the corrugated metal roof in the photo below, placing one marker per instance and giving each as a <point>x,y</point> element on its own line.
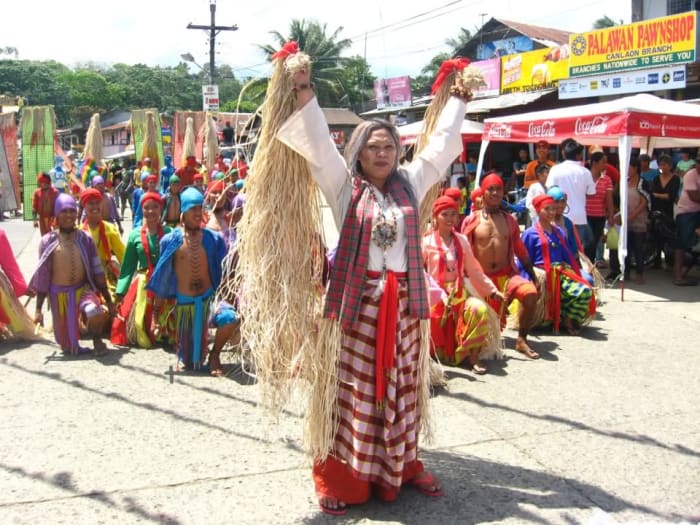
<point>548,34</point>
<point>341,117</point>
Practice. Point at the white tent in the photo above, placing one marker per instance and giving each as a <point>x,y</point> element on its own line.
<point>643,121</point>
<point>471,131</point>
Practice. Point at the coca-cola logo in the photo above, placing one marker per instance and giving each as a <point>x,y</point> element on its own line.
<point>543,129</point>
<point>595,126</point>
<point>502,131</point>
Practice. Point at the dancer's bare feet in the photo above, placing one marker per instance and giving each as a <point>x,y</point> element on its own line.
<point>215,368</point>
<point>522,347</point>
<point>331,505</point>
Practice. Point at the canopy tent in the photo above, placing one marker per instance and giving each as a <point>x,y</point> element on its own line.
<point>643,121</point>
<point>471,132</point>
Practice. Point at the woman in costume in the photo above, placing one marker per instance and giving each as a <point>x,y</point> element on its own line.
<point>140,258</point>
<point>377,290</point>
<point>570,299</point>
<point>459,319</point>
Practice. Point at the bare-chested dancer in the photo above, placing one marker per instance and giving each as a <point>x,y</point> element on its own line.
<point>171,204</point>
<point>70,272</point>
<point>189,270</point>
<point>495,238</point>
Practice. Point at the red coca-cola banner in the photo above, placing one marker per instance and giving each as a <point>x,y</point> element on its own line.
<point>554,130</point>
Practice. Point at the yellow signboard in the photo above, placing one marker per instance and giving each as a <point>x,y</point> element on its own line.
<point>534,70</point>
<point>660,41</point>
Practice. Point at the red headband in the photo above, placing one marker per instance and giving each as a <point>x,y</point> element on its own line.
<point>43,177</point>
<point>216,186</point>
<point>443,203</point>
<point>447,67</point>
<point>151,178</point>
<point>491,180</point>
<point>477,193</point>
<point>198,176</point>
<point>90,194</point>
<point>290,48</point>
<point>541,201</point>
<point>151,196</point>
<point>454,193</point>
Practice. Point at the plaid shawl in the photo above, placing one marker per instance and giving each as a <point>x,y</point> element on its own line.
<point>352,258</point>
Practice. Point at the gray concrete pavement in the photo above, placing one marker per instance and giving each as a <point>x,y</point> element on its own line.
<point>610,421</point>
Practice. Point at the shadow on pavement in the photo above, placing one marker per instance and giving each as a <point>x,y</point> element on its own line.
<point>64,481</point>
<point>116,396</point>
<point>478,491</point>
<point>636,438</point>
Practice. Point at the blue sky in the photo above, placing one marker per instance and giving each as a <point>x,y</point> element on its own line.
<point>401,36</point>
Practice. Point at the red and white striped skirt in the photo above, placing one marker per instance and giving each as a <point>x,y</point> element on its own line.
<point>377,442</point>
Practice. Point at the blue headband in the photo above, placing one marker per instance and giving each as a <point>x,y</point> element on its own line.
<point>556,193</point>
<point>190,198</point>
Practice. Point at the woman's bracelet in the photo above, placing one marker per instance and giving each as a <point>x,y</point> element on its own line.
<point>302,87</point>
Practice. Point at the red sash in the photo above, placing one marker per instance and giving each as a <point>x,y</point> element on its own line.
<point>553,282</point>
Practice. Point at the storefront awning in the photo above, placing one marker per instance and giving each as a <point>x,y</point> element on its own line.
<point>484,105</point>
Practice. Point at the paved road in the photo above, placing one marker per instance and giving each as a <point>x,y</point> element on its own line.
<point>608,421</point>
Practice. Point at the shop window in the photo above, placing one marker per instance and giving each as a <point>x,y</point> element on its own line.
<point>673,7</point>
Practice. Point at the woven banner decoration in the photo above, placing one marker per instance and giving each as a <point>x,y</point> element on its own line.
<point>9,168</point>
<point>37,128</point>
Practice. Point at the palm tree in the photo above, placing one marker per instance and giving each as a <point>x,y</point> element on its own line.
<point>9,51</point>
<point>460,40</point>
<point>606,21</point>
<point>324,50</point>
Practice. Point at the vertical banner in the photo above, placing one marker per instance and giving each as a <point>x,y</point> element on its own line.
<point>210,98</point>
<point>179,127</point>
<point>9,168</point>
<point>138,133</point>
<point>491,69</point>
<point>37,127</point>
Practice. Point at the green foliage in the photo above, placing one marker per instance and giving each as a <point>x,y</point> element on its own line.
<point>458,42</point>
<point>606,21</point>
<point>89,88</point>
<point>421,85</point>
<point>339,81</point>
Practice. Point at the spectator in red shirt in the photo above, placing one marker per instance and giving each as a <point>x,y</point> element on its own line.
<point>599,206</point>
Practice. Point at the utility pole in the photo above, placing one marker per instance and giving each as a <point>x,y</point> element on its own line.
<point>213,30</point>
<point>481,33</point>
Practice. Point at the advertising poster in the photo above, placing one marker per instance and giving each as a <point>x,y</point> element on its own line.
<point>623,83</point>
<point>501,48</point>
<point>535,70</point>
<point>650,43</point>
<point>393,92</point>
<point>491,69</point>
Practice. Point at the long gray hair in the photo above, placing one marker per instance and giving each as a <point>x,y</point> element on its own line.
<point>358,140</point>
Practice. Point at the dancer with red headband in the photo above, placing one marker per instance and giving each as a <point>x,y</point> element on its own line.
<point>569,297</point>
<point>459,318</point>
<point>43,201</point>
<point>495,237</point>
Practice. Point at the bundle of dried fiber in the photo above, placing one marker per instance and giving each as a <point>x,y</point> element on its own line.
<point>211,144</point>
<point>441,93</point>
<point>93,140</point>
<point>150,143</point>
<point>277,241</point>
<point>188,145</point>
